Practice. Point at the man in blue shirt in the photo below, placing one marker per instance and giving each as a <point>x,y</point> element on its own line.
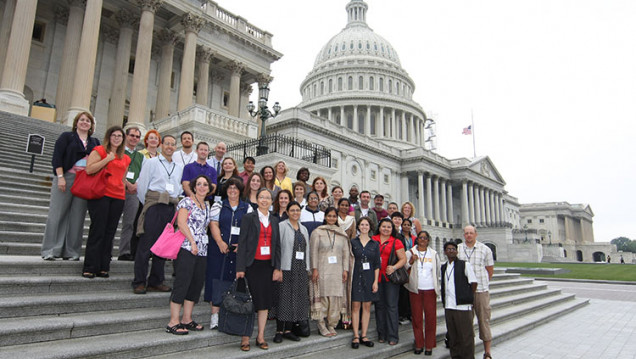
<point>199,167</point>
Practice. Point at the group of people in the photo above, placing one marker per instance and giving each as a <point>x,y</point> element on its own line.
<point>306,253</point>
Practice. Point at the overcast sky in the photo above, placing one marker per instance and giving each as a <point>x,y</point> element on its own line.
<point>551,84</point>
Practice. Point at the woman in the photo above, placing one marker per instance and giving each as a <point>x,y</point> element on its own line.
<point>280,204</point>
<point>258,259</point>
<point>282,180</point>
<point>320,186</point>
<point>332,201</point>
<point>409,239</point>
<point>408,210</point>
<point>386,308</point>
<point>424,288</point>
<point>270,182</point>
<point>330,262</point>
<point>300,192</point>
<point>364,281</point>
<point>152,139</point>
<point>105,211</point>
<point>65,221</point>
<point>193,219</point>
<point>293,293</point>
<point>346,221</point>
<point>311,217</point>
<point>254,183</point>
<point>228,170</point>
<point>226,222</point>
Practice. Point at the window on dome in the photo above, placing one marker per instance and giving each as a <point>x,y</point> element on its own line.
<point>390,86</point>
<point>397,87</point>
<point>375,46</point>
<point>372,128</point>
<point>338,120</point>
<point>330,85</point>
<point>335,48</point>
<point>350,83</point>
<point>339,83</point>
<point>360,45</point>
<point>322,87</point>
<point>381,84</point>
<point>360,83</point>
<point>329,51</point>
<point>361,123</point>
<point>344,46</point>
<point>350,121</point>
<point>315,90</point>
<point>399,125</point>
<point>351,45</point>
<point>368,46</point>
<point>371,85</point>
<point>382,48</point>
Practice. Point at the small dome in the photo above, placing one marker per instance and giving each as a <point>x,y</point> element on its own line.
<point>357,39</point>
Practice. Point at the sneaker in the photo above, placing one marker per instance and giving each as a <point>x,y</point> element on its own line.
<point>214,321</point>
<point>404,321</point>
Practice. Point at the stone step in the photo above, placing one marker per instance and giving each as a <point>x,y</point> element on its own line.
<point>33,178</point>
<point>20,184</point>
<point>34,249</point>
<point>34,266</point>
<point>24,193</point>
<point>17,286</point>
<point>509,282</point>
<point>40,201</point>
<point>16,206</point>
<point>24,163</point>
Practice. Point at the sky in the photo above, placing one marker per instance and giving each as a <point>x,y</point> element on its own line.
<point>549,84</point>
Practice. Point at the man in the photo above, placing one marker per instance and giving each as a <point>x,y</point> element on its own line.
<point>392,207</point>
<point>219,153</point>
<point>248,166</point>
<point>131,204</point>
<point>379,210</point>
<point>303,175</point>
<point>480,258</point>
<point>353,196</point>
<point>186,155</point>
<point>158,188</point>
<point>199,167</point>
<point>458,287</point>
<point>363,209</point>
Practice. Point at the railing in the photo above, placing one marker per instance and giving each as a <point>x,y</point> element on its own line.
<point>288,146</point>
<point>237,22</point>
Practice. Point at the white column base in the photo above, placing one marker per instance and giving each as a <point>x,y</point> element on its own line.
<point>14,102</point>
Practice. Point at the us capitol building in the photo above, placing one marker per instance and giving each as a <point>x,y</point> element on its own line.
<point>178,65</point>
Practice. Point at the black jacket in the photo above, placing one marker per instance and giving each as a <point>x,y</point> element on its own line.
<point>463,288</point>
<point>248,241</point>
<point>69,149</point>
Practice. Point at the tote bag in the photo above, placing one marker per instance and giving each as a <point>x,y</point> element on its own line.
<point>169,242</point>
<point>90,186</point>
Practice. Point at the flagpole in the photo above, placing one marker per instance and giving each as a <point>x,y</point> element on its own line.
<point>472,120</point>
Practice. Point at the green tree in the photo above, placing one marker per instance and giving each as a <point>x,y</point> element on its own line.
<point>624,244</point>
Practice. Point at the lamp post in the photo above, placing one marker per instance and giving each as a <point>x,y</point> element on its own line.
<point>264,113</point>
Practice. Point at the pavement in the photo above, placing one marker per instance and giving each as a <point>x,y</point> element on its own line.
<point>603,329</point>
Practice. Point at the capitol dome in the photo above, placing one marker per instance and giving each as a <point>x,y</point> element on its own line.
<point>358,82</point>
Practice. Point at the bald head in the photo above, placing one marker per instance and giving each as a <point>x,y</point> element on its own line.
<point>219,150</point>
<point>470,236</point>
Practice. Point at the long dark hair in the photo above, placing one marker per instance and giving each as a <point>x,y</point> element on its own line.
<point>329,210</point>
<point>393,232</point>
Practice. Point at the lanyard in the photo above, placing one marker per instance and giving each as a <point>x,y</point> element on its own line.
<point>333,242</point>
<point>471,253</point>
<point>421,258</point>
<point>165,168</point>
<point>206,209</point>
<point>265,235</point>
<point>189,158</point>
<point>449,273</point>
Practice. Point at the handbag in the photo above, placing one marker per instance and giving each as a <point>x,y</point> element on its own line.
<point>399,276</point>
<point>220,286</point>
<point>90,186</point>
<point>169,242</point>
<point>238,302</point>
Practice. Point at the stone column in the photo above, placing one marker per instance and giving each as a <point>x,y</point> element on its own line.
<point>139,93</point>
<point>404,136</point>
<point>413,131</point>
<point>394,134</point>
<point>329,115</point>
<point>69,58</point>
<point>496,202</point>
<point>491,198</point>
<point>429,197</point>
<point>204,56</point>
<point>119,88</point>
<point>16,61</point>
<point>382,126</point>
<point>367,121</point>
<point>418,135</point>
<point>481,207</point>
<point>420,191</point>
<point>86,57</point>
<point>167,40</point>
<point>235,79</point>
<point>343,121</point>
<point>449,202</point>
<point>355,119</point>
<point>465,211</point>
<point>436,200</point>
<point>405,187</point>
<point>192,25</point>
<point>5,30</point>
<point>502,210</point>
<point>443,198</point>
<point>471,202</point>
<point>487,213</point>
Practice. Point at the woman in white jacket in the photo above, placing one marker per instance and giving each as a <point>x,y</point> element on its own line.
<point>424,288</point>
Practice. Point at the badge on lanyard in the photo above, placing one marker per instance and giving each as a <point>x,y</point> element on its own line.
<point>169,187</point>
<point>366,266</point>
<point>217,198</point>
<point>130,175</point>
<point>332,260</point>
<point>300,255</point>
<point>265,250</point>
<point>235,231</point>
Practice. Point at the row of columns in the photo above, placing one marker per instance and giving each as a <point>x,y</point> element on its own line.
<point>386,122</point>
<point>481,206</point>
<point>436,198</point>
<point>75,81</point>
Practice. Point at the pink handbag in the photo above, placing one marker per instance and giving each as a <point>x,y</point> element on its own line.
<point>169,242</point>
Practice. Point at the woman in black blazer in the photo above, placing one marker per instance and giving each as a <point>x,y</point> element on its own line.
<point>258,259</point>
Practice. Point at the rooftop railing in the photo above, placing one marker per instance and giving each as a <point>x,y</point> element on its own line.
<point>288,146</point>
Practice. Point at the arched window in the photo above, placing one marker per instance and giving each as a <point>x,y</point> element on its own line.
<point>372,129</point>
<point>350,121</point>
<point>381,84</point>
<point>371,84</point>
<point>339,83</point>
<point>315,93</point>
<point>397,87</point>
<point>390,86</point>
<point>330,85</point>
<point>360,83</point>
<point>350,83</point>
<point>361,122</point>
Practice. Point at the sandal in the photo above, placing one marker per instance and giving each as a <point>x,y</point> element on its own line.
<point>245,347</point>
<point>175,330</point>
<point>392,343</point>
<point>192,326</point>
<point>366,342</point>
<point>102,274</point>
<point>263,345</point>
<point>88,275</point>
<point>487,355</point>
<point>355,343</point>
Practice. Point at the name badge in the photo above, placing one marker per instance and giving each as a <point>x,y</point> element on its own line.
<point>265,250</point>
<point>300,255</point>
<point>332,260</point>
<point>130,175</point>
<point>204,239</point>
<point>366,266</point>
<point>235,231</point>
<point>169,187</point>
<point>217,198</point>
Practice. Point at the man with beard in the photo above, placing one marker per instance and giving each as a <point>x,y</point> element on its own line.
<point>185,155</point>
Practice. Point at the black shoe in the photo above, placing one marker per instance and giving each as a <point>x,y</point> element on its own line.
<point>366,341</point>
<point>102,274</point>
<point>446,343</point>
<point>88,275</point>
<point>291,336</point>
<point>126,257</point>
<point>355,345</point>
<point>428,352</point>
<point>418,351</point>
<point>278,338</point>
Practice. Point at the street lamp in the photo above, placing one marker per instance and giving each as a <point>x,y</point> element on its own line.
<point>264,113</point>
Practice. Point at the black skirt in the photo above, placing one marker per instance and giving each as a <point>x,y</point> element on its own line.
<point>259,279</point>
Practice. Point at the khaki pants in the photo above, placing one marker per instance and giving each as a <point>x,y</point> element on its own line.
<point>331,311</point>
<point>481,308</point>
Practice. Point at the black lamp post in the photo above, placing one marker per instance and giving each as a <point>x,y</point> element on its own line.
<point>264,113</point>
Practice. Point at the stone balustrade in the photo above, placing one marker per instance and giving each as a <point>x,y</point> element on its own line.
<point>237,22</point>
<point>207,120</point>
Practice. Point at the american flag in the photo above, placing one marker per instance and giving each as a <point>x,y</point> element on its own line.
<point>467,130</point>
